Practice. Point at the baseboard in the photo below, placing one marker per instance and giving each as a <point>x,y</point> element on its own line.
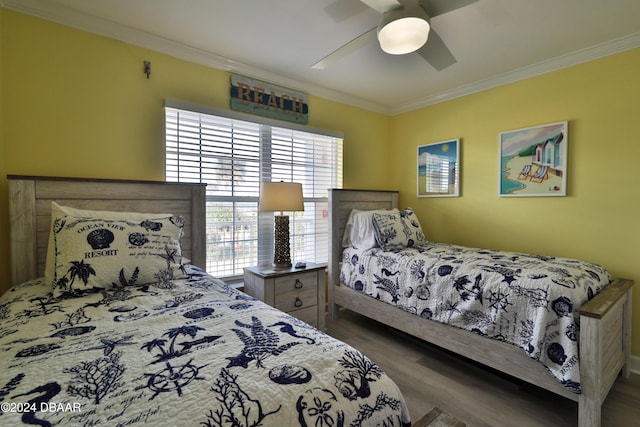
<point>635,365</point>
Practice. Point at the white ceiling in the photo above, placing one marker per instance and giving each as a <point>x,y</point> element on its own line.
<point>494,42</point>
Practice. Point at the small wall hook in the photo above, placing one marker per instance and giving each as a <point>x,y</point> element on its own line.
<point>147,68</point>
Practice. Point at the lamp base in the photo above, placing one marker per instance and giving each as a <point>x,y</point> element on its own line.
<point>281,253</point>
<point>282,265</point>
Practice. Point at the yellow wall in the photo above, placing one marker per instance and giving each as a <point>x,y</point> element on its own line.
<point>4,220</point>
<point>597,221</point>
<point>76,104</point>
<point>79,105</point>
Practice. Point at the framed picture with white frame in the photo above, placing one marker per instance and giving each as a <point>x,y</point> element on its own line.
<point>533,161</point>
<point>439,169</point>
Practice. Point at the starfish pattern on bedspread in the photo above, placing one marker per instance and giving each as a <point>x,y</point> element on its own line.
<point>131,354</point>
<point>526,300</point>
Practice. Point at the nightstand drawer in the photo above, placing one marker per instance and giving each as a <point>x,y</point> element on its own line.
<point>303,282</point>
<point>297,299</point>
<point>308,315</point>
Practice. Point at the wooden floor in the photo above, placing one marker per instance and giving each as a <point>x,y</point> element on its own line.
<point>431,377</point>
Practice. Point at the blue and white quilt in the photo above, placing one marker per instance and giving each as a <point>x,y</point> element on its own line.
<point>189,352</point>
<point>527,300</point>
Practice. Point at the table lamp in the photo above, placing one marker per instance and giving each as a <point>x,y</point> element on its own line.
<point>283,197</point>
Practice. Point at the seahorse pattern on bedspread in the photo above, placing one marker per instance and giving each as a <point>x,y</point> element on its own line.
<point>527,300</point>
<point>184,353</point>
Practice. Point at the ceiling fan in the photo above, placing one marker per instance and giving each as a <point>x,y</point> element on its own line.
<point>411,19</point>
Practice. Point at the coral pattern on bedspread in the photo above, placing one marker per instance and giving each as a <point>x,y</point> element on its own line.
<point>190,352</point>
<point>527,300</point>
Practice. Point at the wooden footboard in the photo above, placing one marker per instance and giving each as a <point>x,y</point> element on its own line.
<point>605,347</point>
<point>605,334</point>
<point>605,322</point>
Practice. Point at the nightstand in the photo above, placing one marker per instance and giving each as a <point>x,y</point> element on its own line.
<point>297,291</point>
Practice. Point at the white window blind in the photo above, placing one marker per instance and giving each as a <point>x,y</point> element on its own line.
<point>440,174</point>
<point>233,153</point>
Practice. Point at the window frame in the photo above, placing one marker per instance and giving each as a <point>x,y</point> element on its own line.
<point>264,224</point>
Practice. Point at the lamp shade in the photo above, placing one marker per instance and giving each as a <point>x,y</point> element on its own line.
<point>281,196</point>
<point>403,30</point>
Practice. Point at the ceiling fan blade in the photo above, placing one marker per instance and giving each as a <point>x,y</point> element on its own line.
<point>438,7</point>
<point>382,5</point>
<point>346,49</point>
<point>341,10</point>
<point>436,53</point>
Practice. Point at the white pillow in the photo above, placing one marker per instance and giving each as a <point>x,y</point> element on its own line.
<point>106,249</point>
<point>363,234</point>
<point>346,237</point>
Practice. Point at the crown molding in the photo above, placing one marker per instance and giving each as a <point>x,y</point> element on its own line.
<point>65,16</point>
<point>574,58</point>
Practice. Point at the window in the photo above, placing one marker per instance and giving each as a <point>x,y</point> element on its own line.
<point>233,153</point>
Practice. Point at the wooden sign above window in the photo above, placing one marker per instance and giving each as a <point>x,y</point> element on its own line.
<point>258,97</point>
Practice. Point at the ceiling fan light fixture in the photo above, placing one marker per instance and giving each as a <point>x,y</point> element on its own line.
<point>403,31</point>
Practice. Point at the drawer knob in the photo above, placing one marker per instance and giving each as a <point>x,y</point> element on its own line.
<point>298,302</point>
<point>298,284</point>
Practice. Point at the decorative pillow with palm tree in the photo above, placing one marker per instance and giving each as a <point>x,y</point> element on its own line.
<point>93,254</point>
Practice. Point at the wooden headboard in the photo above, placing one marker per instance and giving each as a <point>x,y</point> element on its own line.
<point>341,202</point>
<point>30,200</point>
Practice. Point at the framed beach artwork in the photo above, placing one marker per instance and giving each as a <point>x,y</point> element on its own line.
<point>533,161</point>
<point>439,169</point>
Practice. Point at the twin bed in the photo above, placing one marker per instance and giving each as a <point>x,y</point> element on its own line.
<point>107,323</point>
<point>561,324</point>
